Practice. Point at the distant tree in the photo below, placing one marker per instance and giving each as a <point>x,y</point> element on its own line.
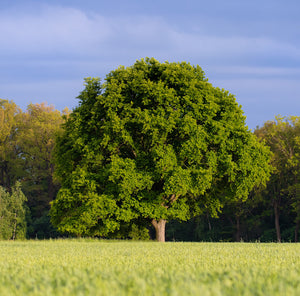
<point>243,216</point>
<point>35,138</point>
<point>9,164</point>
<point>156,141</point>
<point>26,144</point>
<point>5,230</point>
<point>12,213</point>
<point>283,137</point>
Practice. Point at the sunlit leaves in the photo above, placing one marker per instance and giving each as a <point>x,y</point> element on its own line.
<point>12,213</point>
<point>159,140</point>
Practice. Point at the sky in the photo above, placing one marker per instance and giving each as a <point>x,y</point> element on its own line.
<point>250,48</point>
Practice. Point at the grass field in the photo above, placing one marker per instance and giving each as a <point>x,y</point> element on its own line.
<point>93,267</point>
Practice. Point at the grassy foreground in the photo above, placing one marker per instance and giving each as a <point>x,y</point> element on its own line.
<point>80,267</point>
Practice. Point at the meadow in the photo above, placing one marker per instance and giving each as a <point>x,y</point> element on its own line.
<point>99,267</point>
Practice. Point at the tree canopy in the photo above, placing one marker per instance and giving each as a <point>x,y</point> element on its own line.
<point>12,213</point>
<point>282,135</point>
<point>155,142</point>
<point>26,144</point>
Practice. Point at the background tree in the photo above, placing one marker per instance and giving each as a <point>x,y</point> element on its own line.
<point>12,213</point>
<point>282,136</point>
<point>9,164</point>
<point>5,231</point>
<point>156,141</point>
<point>26,144</point>
<point>244,217</point>
<point>294,163</point>
<point>35,139</point>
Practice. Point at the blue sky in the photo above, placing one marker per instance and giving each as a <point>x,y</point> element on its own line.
<point>251,48</point>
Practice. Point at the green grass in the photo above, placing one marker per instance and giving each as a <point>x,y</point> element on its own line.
<point>81,267</point>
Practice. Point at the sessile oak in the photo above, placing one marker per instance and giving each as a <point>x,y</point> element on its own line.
<point>154,142</point>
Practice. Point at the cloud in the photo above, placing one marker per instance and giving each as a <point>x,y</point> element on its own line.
<point>62,31</point>
<point>51,30</point>
<point>234,47</point>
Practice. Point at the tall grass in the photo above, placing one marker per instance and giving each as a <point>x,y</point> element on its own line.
<point>80,267</point>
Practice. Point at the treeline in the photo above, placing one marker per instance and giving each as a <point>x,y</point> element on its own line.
<point>26,145</point>
<point>27,183</point>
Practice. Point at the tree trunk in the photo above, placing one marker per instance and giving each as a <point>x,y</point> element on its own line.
<point>15,227</point>
<point>160,227</point>
<point>209,225</point>
<point>51,189</point>
<point>297,230</point>
<point>277,226</point>
<point>238,229</point>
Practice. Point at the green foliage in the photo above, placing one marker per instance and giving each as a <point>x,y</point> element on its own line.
<point>40,228</point>
<point>26,144</point>
<point>9,163</point>
<point>35,138</point>
<point>283,137</point>
<point>139,233</point>
<point>155,141</point>
<point>12,213</point>
<point>5,215</point>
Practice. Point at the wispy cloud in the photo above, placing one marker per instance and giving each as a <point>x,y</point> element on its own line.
<point>52,30</point>
<point>61,30</point>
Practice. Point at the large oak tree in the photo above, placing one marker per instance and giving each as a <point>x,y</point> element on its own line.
<point>155,142</point>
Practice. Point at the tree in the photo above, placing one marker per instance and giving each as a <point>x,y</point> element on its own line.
<point>244,216</point>
<point>9,113</point>
<point>283,137</point>
<point>12,213</point>
<point>37,128</point>
<point>4,214</point>
<point>156,142</point>
<point>35,138</point>
<point>26,144</point>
